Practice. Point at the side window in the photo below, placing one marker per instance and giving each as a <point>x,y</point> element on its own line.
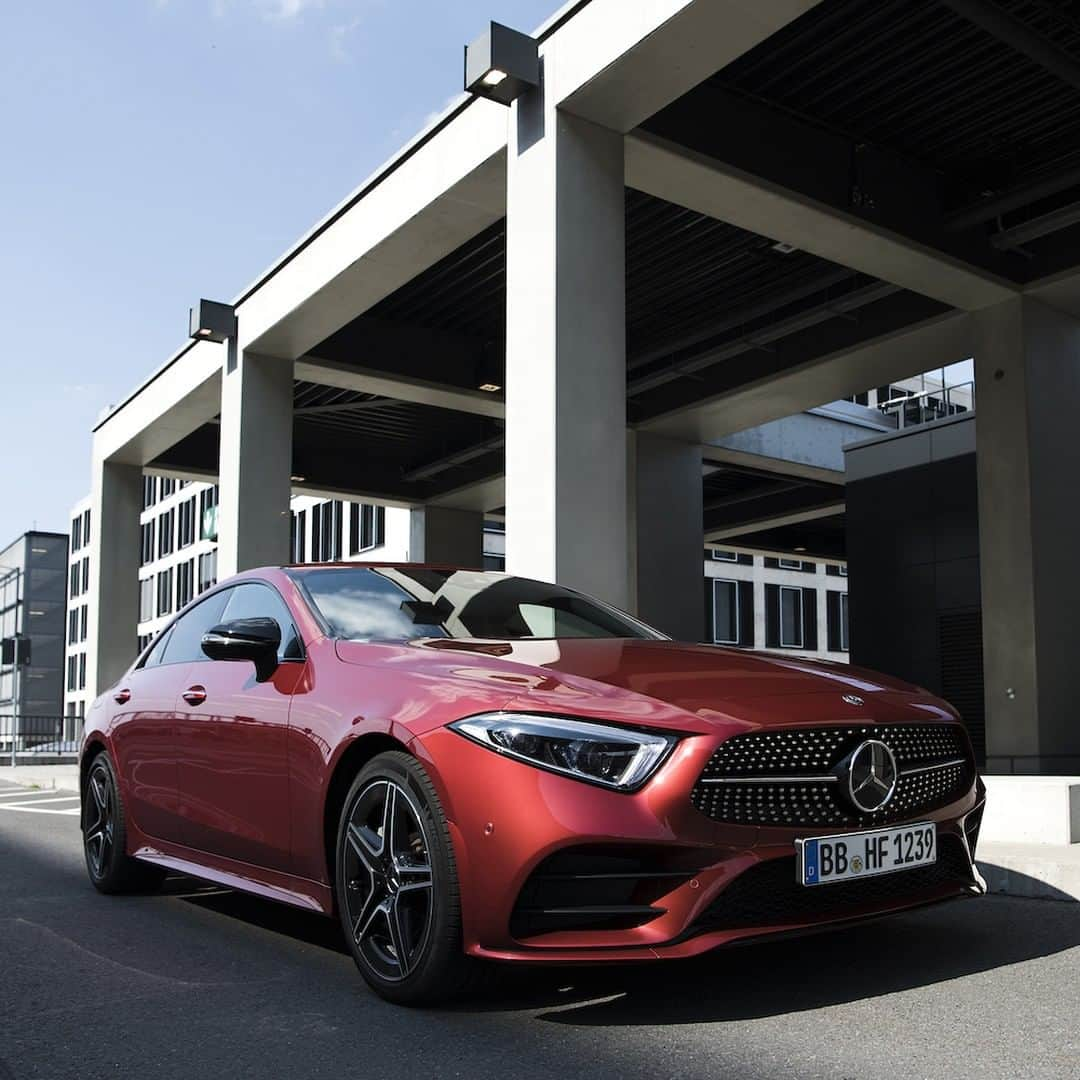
<point>185,642</point>
<point>154,656</point>
<point>252,600</point>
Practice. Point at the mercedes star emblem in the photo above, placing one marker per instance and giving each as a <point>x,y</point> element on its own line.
<point>872,776</point>
<point>853,699</point>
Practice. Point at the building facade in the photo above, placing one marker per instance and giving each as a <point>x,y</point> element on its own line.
<point>178,558</point>
<point>753,601</point>
<point>776,603</point>
<point>33,577</point>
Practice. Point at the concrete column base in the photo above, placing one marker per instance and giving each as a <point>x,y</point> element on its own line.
<point>1031,810</point>
<point>1036,871</point>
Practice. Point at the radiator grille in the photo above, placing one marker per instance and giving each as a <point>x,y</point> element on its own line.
<point>728,789</point>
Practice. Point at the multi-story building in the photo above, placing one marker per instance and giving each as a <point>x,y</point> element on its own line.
<point>776,603</point>
<point>178,556</point>
<point>32,607</point>
<point>752,600</point>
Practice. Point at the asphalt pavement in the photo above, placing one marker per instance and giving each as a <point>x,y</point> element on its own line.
<point>198,982</point>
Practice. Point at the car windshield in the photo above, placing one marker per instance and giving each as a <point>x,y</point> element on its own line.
<point>406,603</point>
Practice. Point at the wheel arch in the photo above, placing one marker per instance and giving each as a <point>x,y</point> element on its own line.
<point>91,750</point>
<point>358,753</point>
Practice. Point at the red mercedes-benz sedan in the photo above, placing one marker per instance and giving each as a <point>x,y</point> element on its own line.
<point>469,765</point>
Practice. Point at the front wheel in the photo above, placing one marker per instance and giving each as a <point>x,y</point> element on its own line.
<point>396,884</point>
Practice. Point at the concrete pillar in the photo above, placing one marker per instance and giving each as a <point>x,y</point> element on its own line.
<point>255,462</point>
<point>667,530</point>
<point>113,616</point>
<point>448,537</point>
<point>1028,400</point>
<point>566,352</point>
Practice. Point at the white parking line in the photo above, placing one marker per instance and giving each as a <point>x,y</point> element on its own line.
<point>36,810</point>
<point>35,800</point>
<point>26,793</point>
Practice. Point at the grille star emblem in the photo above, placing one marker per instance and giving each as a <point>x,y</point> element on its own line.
<point>871,776</point>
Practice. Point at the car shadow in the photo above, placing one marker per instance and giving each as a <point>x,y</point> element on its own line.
<point>306,926</point>
<point>897,953</point>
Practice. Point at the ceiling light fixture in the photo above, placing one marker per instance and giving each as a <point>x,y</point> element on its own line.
<point>490,387</point>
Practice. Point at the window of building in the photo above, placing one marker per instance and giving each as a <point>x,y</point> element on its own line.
<point>144,640</point>
<point>367,527</point>
<point>82,671</point>
<point>837,616</point>
<point>725,556</point>
<point>165,592</point>
<point>185,579</point>
<point>76,533</point>
<point>165,527</point>
<point>207,570</point>
<point>84,619</point>
<point>326,531</point>
<point>146,542</point>
<point>72,672</point>
<point>791,618</point>
<point>149,491</point>
<point>86,526</point>
<point>299,536</point>
<point>789,564</point>
<point>167,486</point>
<point>726,620</point>
<point>73,626</point>
<point>73,591</point>
<point>186,523</point>
<point>146,599</point>
<point>208,513</point>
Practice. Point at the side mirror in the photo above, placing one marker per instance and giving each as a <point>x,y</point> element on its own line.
<point>257,640</point>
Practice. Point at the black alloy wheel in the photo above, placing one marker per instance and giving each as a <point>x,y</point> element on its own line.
<point>396,884</point>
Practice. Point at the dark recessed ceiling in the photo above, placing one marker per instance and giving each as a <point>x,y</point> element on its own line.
<point>349,441</point>
<point>959,130</point>
<point>708,306</point>
<point>735,496</point>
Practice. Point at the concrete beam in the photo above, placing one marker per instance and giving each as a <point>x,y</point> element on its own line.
<point>933,343</point>
<point>450,189</point>
<point>687,178</point>
<point>181,397</point>
<point>1061,291</point>
<point>398,387</point>
<point>483,495</point>
<point>751,525</point>
<point>616,62</point>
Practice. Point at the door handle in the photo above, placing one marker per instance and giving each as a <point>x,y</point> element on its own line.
<point>194,695</point>
<point>122,697</point>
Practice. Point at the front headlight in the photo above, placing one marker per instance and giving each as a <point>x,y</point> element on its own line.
<point>614,757</point>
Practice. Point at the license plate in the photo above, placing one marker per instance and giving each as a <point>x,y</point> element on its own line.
<point>824,859</point>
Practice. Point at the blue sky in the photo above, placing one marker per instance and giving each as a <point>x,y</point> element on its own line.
<point>155,151</point>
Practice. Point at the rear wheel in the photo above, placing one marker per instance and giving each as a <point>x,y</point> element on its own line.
<point>396,884</point>
<point>104,828</point>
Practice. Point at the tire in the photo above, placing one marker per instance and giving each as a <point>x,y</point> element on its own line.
<point>396,885</point>
<point>104,829</point>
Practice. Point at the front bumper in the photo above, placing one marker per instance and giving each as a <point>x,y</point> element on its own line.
<point>552,869</point>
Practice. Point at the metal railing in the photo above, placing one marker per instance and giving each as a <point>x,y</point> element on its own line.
<point>928,405</point>
<point>26,739</point>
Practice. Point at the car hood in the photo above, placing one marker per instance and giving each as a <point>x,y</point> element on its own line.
<point>664,682</point>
